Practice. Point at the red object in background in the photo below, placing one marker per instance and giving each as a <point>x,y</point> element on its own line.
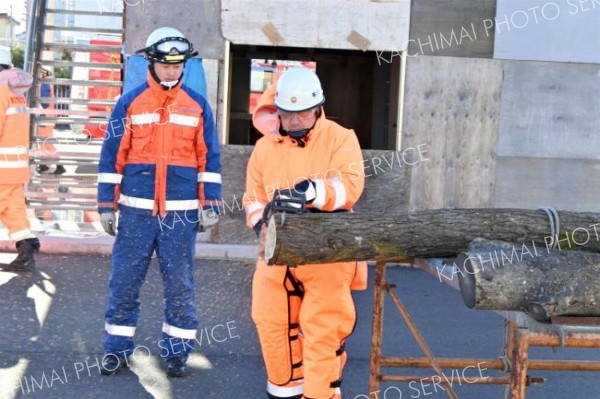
<point>103,92</point>
<point>271,71</point>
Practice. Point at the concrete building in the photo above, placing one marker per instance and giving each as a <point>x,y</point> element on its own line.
<point>503,96</point>
<point>89,21</point>
<point>9,26</point>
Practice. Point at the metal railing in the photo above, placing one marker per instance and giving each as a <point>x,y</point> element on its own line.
<point>64,160</point>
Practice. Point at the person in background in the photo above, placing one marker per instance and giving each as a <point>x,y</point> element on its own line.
<point>46,130</point>
<point>14,162</point>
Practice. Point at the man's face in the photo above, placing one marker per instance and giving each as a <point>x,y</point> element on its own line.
<point>293,121</point>
<point>168,72</point>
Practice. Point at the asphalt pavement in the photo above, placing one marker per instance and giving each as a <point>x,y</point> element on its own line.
<point>51,329</point>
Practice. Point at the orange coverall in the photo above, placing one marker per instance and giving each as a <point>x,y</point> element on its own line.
<point>304,314</point>
<point>14,152</point>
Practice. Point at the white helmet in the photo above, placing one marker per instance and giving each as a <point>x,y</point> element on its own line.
<point>168,46</point>
<point>46,70</point>
<point>298,89</point>
<point>5,56</point>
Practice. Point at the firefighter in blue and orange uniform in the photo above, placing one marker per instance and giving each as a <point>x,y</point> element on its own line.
<point>160,168</point>
<point>303,314</point>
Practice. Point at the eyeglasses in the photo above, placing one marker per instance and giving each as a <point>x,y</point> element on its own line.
<point>306,114</point>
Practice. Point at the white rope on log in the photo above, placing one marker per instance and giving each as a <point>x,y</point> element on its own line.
<point>554,223</point>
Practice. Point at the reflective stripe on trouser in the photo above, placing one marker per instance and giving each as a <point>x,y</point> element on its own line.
<point>139,235</point>
<point>291,390</point>
<point>325,314</point>
<point>13,211</point>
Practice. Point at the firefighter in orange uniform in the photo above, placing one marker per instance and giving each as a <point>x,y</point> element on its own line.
<point>14,161</point>
<point>303,314</point>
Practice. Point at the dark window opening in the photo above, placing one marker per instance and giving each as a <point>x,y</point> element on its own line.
<point>361,92</point>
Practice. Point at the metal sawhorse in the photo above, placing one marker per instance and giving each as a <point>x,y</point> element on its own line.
<point>523,332</point>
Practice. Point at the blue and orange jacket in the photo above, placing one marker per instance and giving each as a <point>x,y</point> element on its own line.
<point>160,153</point>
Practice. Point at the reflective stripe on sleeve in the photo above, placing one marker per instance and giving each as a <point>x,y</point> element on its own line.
<point>110,178</point>
<point>255,218</point>
<point>340,193</point>
<point>178,332</point>
<point>321,197</point>
<point>254,212</point>
<point>253,206</point>
<point>209,177</point>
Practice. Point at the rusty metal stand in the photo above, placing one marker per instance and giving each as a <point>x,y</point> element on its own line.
<point>377,326</point>
<point>522,333</point>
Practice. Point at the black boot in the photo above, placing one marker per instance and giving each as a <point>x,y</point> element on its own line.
<point>42,168</point>
<point>25,261</point>
<point>176,367</point>
<point>112,364</point>
<point>59,170</point>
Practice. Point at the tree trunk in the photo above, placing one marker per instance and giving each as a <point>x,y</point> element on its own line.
<point>334,237</point>
<point>497,275</point>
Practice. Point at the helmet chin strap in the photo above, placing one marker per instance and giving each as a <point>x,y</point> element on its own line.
<point>167,85</point>
<point>299,135</point>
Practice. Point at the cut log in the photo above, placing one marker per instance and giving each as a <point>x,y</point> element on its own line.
<point>335,237</point>
<point>496,275</point>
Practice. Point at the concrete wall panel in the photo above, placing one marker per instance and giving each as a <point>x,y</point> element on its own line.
<point>543,30</point>
<point>452,108</point>
<point>197,19</point>
<point>550,110</point>
<point>335,24</point>
<point>567,184</point>
<point>457,28</point>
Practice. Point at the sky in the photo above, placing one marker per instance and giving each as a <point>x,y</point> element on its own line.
<point>18,11</point>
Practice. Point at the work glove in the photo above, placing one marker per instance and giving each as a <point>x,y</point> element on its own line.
<point>258,227</point>
<point>207,218</point>
<point>295,199</point>
<point>109,222</point>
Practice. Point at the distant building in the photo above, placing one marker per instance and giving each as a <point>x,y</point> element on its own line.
<point>8,29</point>
<point>92,22</point>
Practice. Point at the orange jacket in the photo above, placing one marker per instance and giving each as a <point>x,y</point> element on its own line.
<point>332,159</point>
<point>161,152</point>
<point>14,127</point>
